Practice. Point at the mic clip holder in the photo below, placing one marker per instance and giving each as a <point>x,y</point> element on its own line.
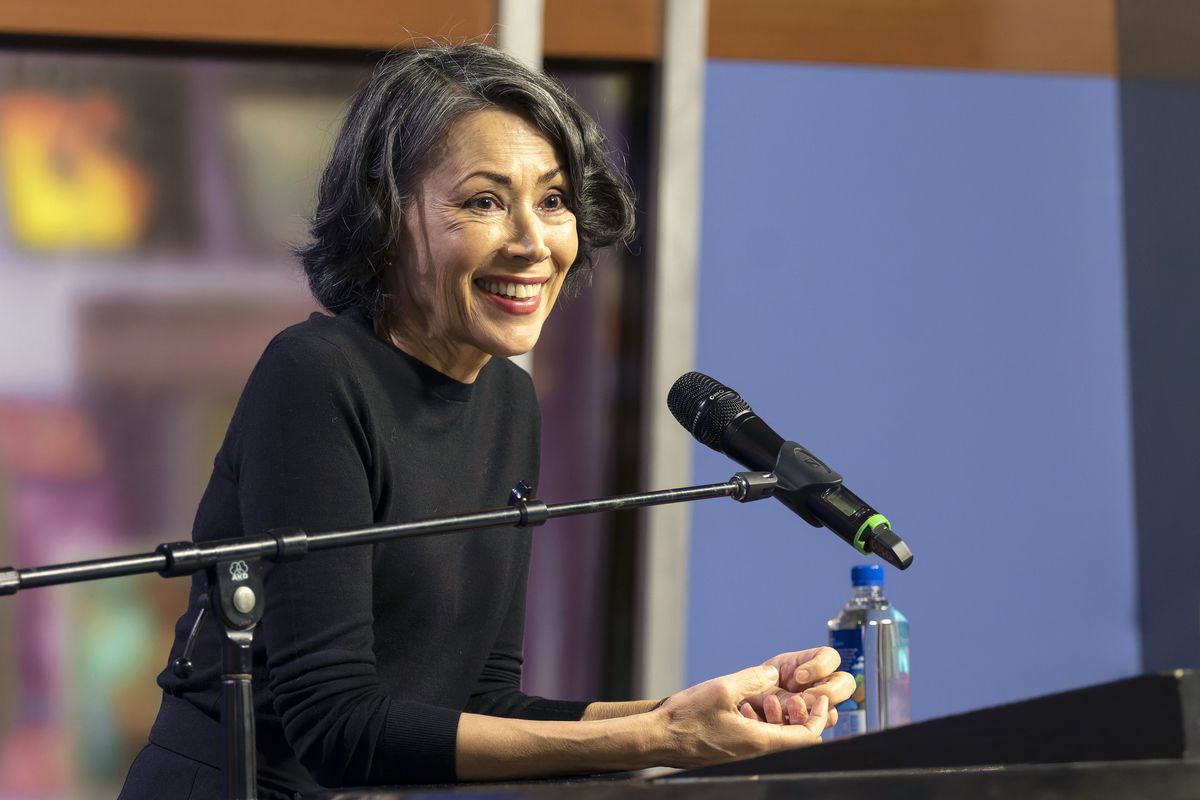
<point>801,474</point>
<point>806,481</point>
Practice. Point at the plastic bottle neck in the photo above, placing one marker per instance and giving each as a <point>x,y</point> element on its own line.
<point>868,594</point>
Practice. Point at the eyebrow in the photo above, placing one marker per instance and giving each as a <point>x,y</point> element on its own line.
<point>504,180</point>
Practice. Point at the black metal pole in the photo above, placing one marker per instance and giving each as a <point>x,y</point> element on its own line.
<point>183,558</point>
<point>237,717</point>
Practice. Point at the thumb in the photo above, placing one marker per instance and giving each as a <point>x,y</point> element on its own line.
<point>755,680</point>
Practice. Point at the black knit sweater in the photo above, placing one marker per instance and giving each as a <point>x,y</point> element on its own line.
<point>366,656</point>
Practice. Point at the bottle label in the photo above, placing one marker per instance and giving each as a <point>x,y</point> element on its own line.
<point>852,713</point>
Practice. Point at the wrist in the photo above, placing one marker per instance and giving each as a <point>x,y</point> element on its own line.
<point>624,743</point>
<point>657,745</point>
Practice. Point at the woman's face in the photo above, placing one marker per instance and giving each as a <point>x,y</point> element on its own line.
<point>488,241</point>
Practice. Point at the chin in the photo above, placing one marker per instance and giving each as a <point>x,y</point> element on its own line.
<point>513,345</point>
<point>511,350</point>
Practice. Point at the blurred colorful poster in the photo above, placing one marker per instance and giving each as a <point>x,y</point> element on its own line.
<point>92,156</point>
<point>67,185</point>
<point>280,123</point>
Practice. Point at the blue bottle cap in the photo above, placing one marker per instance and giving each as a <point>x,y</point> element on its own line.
<point>866,575</point>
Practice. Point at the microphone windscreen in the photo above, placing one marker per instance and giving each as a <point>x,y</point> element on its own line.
<point>704,406</point>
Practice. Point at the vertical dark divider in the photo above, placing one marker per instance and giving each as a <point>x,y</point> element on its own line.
<point>1159,45</point>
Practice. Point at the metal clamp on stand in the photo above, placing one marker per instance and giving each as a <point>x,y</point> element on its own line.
<point>533,512</point>
<point>10,581</point>
<point>753,486</point>
<point>236,597</point>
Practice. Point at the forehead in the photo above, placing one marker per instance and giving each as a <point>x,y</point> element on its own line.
<point>495,141</point>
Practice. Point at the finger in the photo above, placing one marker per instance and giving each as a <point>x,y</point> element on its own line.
<point>756,701</point>
<point>821,663</point>
<point>788,662</point>
<point>751,681</point>
<point>748,712</point>
<point>818,717</point>
<point>833,715</point>
<point>773,710</point>
<point>789,736</point>
<point>837,687</point>
<point>796,709</point>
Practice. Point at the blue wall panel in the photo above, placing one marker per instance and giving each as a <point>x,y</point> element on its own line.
<point>918,274</point>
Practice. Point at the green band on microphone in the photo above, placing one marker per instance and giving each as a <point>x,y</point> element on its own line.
<point>872,522</point>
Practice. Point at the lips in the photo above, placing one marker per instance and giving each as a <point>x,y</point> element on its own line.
<point>518,297</point>
<point>513,290</point>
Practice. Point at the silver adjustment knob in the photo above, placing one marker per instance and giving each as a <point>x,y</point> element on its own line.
<point>244,599</point>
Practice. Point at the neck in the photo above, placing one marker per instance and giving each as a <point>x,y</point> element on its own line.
<point>460,362</point>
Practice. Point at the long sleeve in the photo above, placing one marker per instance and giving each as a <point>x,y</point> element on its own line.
<point>498,691</point>
<point>367,656</point>
<point>302,460</point>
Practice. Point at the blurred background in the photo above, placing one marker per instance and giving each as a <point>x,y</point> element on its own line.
<point>950,245</point>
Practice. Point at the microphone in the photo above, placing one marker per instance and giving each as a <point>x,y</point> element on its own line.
<point>718,417</point>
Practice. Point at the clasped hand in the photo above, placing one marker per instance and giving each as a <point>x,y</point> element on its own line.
<point>784,703</point>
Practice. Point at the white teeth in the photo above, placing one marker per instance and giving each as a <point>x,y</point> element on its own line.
<point>518,291</point>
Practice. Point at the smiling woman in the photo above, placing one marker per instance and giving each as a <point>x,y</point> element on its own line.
<point>464,194</point>
<point>398,131</point>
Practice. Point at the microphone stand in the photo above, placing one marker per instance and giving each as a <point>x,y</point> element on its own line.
<point>234,570</point>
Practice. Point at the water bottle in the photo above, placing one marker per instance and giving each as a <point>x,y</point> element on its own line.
<point>872,637</point>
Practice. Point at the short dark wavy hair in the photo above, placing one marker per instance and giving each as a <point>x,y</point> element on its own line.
<point>391,133</point>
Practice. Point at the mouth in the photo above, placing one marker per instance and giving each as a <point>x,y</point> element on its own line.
<point>522,296</point>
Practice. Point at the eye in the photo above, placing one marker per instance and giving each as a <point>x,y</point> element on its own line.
<point>554,202</point>
<point>484,202</point>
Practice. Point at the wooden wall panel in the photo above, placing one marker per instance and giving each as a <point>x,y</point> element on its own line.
<point>622,29</point>
<point>370,24</point>
<point>1160,39</point>
<point>1071,36</point>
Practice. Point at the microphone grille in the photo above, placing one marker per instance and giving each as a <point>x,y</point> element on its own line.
<point>704,406</point>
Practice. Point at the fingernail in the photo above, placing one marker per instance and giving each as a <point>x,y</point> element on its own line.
<point>801,708</point>
<point>803,675</point>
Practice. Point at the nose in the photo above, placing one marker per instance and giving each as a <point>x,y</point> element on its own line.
<point>527,239</point>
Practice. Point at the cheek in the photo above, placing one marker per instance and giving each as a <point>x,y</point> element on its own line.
<point>564,244</point>
<point>449,277</point>
<point>468,249</point>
